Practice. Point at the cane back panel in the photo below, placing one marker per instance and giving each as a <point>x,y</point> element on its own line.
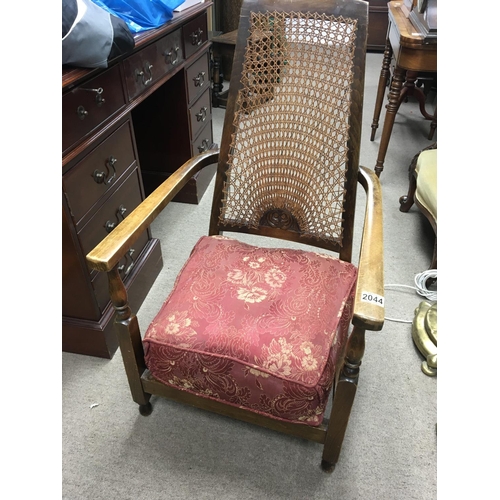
<point>290,149</point>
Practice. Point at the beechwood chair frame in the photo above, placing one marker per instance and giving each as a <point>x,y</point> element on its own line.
<point>367,316</point>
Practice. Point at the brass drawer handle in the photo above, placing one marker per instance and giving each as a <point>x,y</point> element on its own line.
<point>121,211</point>
<point>109,226</point>
<point>202,115</point>
<point>102,177</point>
<point>196,38</point>
<point>204,146</point>
<point>142,74</point>
<point>168,55</point>
<point>131,265</point>
<point>200,79</point>
<point>81,112</point>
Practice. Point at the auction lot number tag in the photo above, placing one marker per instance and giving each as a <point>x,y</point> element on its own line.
<point>372,298</point>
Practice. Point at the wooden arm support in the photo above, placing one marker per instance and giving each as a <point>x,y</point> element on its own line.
<point>368,311</point>
<point>106,255</point>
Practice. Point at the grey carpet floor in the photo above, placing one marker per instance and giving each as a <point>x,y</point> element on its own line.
<point>109,451</point>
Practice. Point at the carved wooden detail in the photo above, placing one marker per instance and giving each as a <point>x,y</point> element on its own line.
<point>281,219</point>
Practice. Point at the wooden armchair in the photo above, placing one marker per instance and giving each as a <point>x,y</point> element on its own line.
<point>262,334</point>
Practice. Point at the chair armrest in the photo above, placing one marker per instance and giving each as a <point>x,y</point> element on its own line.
<point>369,307</point>
<point>106,255</point>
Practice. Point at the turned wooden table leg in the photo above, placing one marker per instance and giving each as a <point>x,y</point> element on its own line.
<point>217,79</point>
<point>390,116</point>
<point>382,84</point>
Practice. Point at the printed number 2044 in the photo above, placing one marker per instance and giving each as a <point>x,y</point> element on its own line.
<point>373,298</point>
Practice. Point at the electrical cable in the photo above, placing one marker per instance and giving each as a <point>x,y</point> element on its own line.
<point>420,287</point>
<point>421,284</point>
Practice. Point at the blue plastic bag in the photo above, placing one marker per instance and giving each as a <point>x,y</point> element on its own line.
<point>141,15</point>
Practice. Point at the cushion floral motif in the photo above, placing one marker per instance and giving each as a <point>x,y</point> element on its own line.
<point>259,328</point>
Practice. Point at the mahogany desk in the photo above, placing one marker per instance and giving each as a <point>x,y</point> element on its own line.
<point>411,57</point>
<point>125,129</point>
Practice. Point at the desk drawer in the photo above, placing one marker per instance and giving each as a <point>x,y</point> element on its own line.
<point>141,71</point>
<point>194,34</point>
<point>152,63</point>
<point>125,267</point>
<point>200,114</point>
<point>170,52</point>
<point>198,78</point>
<point>87,106</point>
<point>116,208</point>
<point>99,171</point>
<point>204,140</point>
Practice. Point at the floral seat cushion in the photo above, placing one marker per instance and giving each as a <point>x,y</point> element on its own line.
<point>259,328</point>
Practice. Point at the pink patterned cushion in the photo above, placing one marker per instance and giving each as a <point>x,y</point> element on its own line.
<point>260,328</point>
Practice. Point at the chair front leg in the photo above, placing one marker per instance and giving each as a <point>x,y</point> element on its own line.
<point>343,399</point>
<point>129,338</point>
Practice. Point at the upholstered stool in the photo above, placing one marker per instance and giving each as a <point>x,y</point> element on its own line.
<point>255,328</point>
<point>423,190</point>
<point>426,192</point>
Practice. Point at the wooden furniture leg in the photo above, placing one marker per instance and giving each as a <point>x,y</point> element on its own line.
<point>129,337</point>
<point>382,84</point>
<point>223,47</point>
<point>406,201</point>
<point>410,89</point>
<point>343,399</point>
<point>433,125</point>
<point>390,116</point>
<point>218,99</point>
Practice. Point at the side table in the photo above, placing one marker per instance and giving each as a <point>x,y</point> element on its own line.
<point>411,57</point>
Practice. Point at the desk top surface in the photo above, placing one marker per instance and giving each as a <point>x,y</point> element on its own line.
<point>409,37</point>
<point>71,75</point>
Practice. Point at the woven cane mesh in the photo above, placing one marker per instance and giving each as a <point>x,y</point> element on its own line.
<point>289,147</point>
